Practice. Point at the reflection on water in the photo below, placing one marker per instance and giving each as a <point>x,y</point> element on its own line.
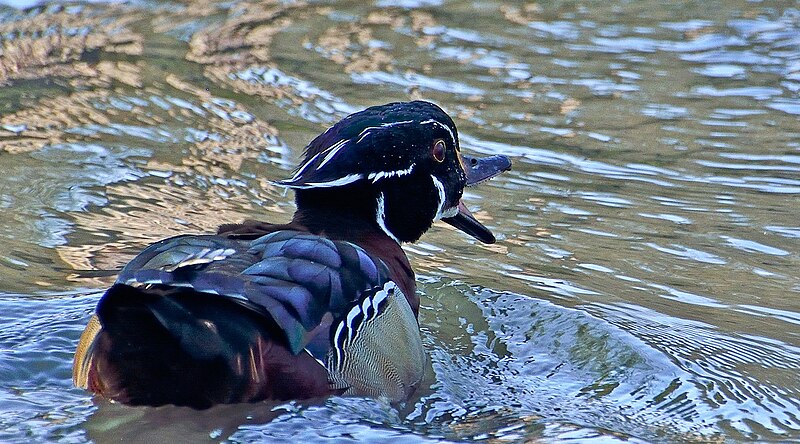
<point>644,286</point>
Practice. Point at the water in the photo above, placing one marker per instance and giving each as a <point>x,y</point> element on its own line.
<point>645,284</point>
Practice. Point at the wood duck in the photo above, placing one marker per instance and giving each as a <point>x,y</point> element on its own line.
<point>323,305</point>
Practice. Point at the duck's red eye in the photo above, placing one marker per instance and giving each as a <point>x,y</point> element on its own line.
<point>438,150</point>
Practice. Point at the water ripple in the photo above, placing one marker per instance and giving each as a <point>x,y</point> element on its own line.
<point>754,247</point>
<point>647,237</point>
<point>689,253</point>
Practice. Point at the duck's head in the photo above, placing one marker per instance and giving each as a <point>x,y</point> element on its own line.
<point>397,165</point>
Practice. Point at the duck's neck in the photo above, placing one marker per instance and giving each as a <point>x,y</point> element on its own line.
<point>338,215</point>
<point>352,218</point>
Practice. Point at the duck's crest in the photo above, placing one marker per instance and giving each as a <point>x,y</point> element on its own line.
<point>352,149</point>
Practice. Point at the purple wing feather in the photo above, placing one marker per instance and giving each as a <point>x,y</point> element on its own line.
<point>291,276</point>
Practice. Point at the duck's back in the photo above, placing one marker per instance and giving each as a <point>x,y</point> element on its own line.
<point>200,320</point>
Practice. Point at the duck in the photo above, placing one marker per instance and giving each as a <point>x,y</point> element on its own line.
<point>321,306</point>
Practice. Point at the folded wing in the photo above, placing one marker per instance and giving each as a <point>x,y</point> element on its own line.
<point>199,320</point>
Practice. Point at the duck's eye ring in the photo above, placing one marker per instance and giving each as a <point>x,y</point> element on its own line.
<point>438,150</point>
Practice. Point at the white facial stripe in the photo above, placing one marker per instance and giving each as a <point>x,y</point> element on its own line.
<point>403,122</point>
<point>442,197</point>
<point>366,131</point>
<point>436,122</point>
<point>374,177</point>
<point>350,178</point>
<point>303,168</point>
<point>380,217</point>
<point>332,151</point>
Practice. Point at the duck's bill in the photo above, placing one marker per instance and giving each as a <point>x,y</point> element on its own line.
<point>466,222</point>
<point>478,170</point>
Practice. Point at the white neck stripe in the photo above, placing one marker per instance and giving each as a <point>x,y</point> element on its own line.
<point>380,217</point>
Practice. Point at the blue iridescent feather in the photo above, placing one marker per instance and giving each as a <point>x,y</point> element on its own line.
<point>294,277</point>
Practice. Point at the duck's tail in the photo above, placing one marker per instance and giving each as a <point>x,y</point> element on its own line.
<point>171,345</point>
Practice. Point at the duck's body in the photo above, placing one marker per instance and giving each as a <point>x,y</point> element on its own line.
<point>323,305</point>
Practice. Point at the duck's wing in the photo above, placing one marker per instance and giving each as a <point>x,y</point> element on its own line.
<point>227,313</point>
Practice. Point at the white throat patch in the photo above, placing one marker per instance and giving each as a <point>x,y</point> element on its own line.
<point>442,197</point>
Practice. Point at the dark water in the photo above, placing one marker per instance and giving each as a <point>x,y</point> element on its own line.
<point>645,285</point>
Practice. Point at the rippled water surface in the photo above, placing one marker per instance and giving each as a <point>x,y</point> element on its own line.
<point>645,284</point>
